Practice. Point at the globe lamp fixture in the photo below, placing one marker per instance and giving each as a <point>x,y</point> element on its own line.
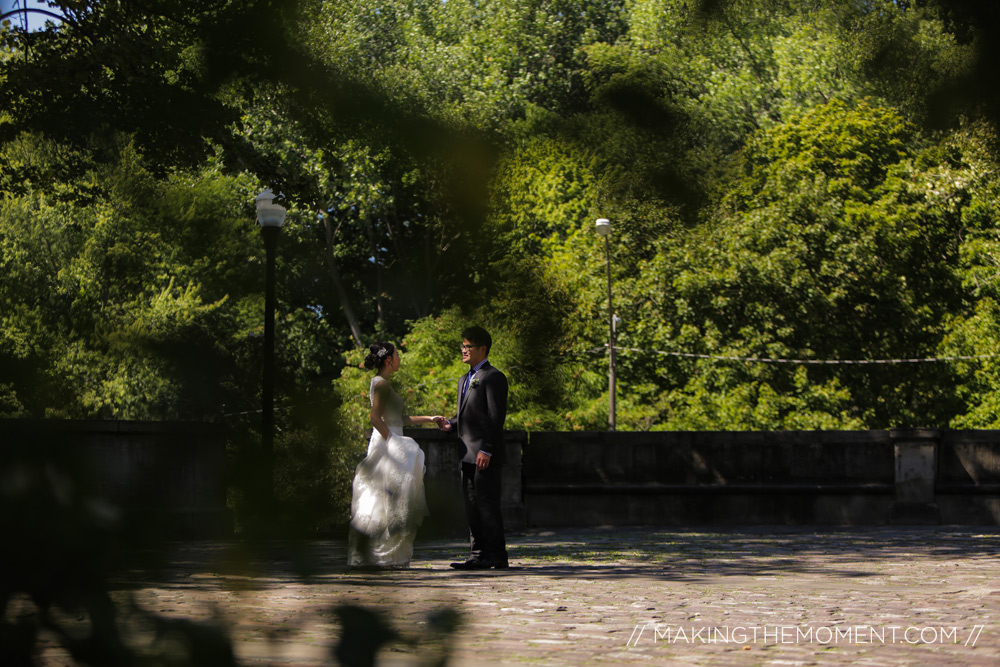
<point>269,214</point>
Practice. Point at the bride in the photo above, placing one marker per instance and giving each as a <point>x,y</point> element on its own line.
<point>387,505</point>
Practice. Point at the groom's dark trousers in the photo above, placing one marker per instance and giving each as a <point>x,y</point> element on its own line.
<point>481,489</point>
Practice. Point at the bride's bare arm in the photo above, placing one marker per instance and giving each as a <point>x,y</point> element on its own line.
<point>377,416</point>
<point>423,419</point>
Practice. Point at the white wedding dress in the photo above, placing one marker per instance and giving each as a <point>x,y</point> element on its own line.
<point>387,504</point>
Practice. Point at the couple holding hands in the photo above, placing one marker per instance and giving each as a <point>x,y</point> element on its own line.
<point>388,505</point>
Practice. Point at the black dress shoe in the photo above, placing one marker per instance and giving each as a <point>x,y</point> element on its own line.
<point>499,561</point>
<point>482,564</point>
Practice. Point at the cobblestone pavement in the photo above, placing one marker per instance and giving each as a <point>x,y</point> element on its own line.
<point>617,596</point>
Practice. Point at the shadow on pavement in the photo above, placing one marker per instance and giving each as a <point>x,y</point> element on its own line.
<point>612,553</point>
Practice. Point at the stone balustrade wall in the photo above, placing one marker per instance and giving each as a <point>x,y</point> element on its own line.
<point>175,473</point>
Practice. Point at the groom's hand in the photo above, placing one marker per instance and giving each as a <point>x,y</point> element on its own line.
<point>482,461</point>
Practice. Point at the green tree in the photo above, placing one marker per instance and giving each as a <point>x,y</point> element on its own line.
<point>840,243</point>
<point>121,289</point>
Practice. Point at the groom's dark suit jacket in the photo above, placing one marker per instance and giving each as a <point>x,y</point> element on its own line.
<point>481,415</point>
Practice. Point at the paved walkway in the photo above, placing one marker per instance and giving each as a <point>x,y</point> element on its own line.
<point>761,596</point>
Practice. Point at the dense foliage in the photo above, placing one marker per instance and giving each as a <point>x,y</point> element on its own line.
<point>800,182</point>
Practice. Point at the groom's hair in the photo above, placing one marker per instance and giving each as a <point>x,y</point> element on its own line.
<point>478,336</point>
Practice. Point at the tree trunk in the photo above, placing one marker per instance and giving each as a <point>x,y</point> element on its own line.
<point>331,264</point>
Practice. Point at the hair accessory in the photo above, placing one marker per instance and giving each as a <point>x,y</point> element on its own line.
<point>381,353</point>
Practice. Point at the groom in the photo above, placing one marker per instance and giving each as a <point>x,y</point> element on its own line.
<point>482,409</point>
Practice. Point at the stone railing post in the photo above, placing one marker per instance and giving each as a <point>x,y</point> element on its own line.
<point>915,453</point>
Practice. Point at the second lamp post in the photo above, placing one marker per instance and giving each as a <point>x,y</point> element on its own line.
<point>604,229</point>
<point>270,217</point>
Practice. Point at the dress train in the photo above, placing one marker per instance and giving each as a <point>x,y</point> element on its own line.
<point>388,503</point>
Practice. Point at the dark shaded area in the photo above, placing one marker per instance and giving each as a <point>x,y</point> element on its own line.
<point>109,71</point>
<point>66,551</point>
<point>612,552</point>
<point>365,632</point>
<point>973,92</point>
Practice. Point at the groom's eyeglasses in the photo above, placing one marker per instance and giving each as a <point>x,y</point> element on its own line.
<point>470,347</point>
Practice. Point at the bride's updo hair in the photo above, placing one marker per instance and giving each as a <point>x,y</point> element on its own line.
<point>378,354</point>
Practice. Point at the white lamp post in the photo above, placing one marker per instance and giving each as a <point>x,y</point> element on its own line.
<point>604,229</point>
<point>270,217</point>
